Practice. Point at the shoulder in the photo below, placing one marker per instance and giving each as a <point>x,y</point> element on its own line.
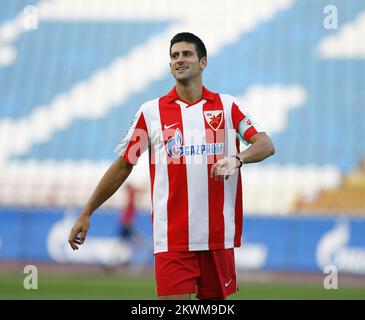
<point>228,100</point>
<point>149,105</point>
<point>226,96</point>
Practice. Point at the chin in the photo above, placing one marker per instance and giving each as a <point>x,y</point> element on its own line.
<point>182,77</point>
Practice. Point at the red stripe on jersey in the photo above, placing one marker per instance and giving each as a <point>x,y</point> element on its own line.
<point>152,160</point>
<point>215,188</point>
<point>138,142</point>
<point>177,202</point>
<point>237,116</point>
<point>238,216</point>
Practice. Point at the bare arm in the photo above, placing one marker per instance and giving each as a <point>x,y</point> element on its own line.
<point>261,147</point>
<point>113,178</point>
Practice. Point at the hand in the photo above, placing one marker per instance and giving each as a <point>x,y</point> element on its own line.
<point>223,168</point>
<point>82,225</point>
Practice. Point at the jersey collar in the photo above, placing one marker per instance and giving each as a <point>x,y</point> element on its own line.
<point>172,95</point>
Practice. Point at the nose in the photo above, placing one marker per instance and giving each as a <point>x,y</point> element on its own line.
<point>180,58</point>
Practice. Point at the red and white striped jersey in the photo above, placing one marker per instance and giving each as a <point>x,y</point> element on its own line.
<point>190,210</point>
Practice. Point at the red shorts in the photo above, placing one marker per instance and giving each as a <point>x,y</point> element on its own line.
<point>209,274</point>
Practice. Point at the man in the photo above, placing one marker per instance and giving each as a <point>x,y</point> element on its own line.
<point>192,138</point>
<point>127,216</point>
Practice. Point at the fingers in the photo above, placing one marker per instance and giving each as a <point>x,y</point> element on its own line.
<point>78,233</point>
<point>83,236</point>
<point>217,170</point>
<point>222,169</point>
<point>213,171</point>
<point>77,241</point>
<point>74,240</point>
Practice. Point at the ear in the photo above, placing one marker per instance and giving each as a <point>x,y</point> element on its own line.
<point>203,63</point>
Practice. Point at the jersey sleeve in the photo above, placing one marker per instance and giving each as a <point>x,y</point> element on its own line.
<point>135,140</point>
<point>243,123</point>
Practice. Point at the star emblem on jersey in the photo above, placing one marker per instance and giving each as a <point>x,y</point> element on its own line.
<point>214,118</point>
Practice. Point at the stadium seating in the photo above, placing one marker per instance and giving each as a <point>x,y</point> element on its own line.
<point>348,197</point>
<point>70,88</point>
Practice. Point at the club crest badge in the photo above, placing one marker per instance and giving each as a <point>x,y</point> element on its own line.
<point>214,118</point>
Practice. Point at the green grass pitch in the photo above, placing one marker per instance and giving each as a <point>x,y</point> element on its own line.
<point>88,287</point>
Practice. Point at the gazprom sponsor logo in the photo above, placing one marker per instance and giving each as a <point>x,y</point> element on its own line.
<point>334,249</point>
<point>176,149</point>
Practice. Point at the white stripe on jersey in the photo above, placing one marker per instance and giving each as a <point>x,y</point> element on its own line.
<point>161,183</point>
<point>230,185</point>
<point>196,170</point>
<point>122,146</point>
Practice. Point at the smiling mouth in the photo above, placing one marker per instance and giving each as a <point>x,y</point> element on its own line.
<point>181,69</point>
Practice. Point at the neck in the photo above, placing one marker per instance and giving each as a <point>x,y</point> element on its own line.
<point>190,92</point>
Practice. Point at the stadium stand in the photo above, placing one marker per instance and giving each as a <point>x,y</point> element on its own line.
<point>74,73</point>
<point>69,89</point>
<point>348,197</point>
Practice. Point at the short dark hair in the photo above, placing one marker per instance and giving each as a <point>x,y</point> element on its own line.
<point>192,38</point>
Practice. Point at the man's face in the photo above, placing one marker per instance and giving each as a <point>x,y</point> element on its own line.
<point>184,61</point>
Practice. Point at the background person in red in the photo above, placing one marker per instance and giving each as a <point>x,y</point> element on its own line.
<point>192,136</point>
<point>131,244</point>
<point>127,215</point>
